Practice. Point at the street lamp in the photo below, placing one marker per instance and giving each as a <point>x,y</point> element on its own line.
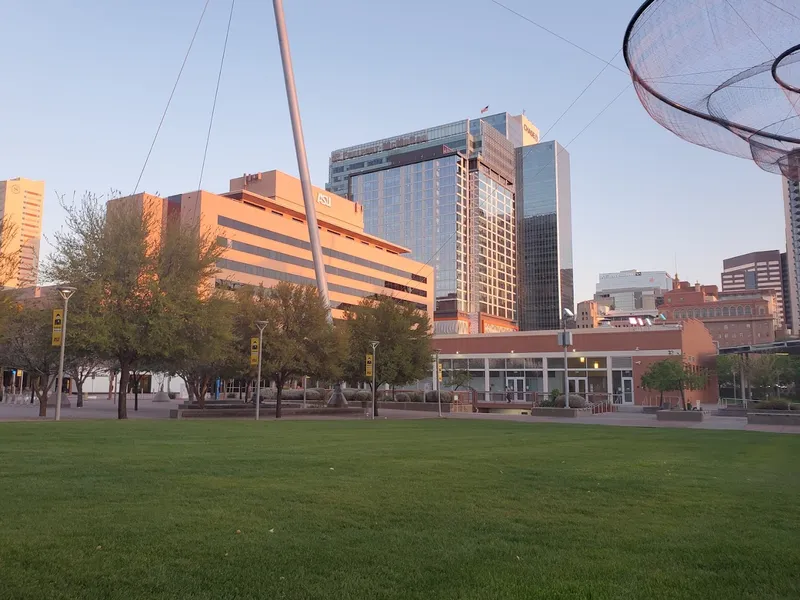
<point>65,292</point>
<point>261,325</point>
<point>438,383</point>
<point>374,345</point>
<point>565,339</point>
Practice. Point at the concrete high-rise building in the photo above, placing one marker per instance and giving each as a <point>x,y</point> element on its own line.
<point>261,223</point>
<point>544,236</point>
<point>791,204</point>
<point>633,290</point>
<point>447,193</point>
<point>756,271</point>
<point>21,208</point>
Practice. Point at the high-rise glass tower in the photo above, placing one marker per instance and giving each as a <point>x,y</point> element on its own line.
<point>544,226</point>
<point>447,193</point>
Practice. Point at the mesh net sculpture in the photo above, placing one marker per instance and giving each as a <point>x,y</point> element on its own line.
<point>724,74</point>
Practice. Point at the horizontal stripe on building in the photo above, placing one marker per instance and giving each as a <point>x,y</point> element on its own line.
<point>240,267</point>
<point>308,264</point>
<point>290,241</point>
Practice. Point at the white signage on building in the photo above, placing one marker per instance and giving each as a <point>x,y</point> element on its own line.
<point>324,199</point>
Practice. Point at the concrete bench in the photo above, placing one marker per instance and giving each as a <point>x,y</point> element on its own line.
<point>783,417</point>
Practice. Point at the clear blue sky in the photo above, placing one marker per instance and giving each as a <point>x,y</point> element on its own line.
<point>87,81</point>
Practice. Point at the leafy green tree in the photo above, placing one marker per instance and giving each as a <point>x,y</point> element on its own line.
<point>207,349</point>
<point>298,340</point>
<point>458,378</point>
<point>673,374</point>
<point>27,345</point>
<point>403,334</point>
<point>134,274</point>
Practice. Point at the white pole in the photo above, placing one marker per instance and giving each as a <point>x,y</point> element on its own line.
<point>302,159</point>
<point>374,368</point>
<point>66,295</point>
<point>566,371</point>
<point>438,385</point>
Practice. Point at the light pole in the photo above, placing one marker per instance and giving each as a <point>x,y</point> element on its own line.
<point>374,345</point>
<point>261,325</point>
<point>65,292</point>
<point>438,383</point>
<point>566,341</point>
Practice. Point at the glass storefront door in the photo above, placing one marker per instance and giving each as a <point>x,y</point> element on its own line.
<point>516,389</point>
<point>627,390</point>
<point>578,386</point>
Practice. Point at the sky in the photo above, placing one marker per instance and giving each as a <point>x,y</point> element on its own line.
<point>86,83</point>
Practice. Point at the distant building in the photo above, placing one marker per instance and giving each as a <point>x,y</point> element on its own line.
<point>632,290</point>
<point>446,193</point>
<point>733,318</point>
<point>21,208</point>
<point>791,300</point>
<point>544,225</point>
<point>756,271</point>
<point>262,223</point>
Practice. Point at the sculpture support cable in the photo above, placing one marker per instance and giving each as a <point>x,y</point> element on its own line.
<point>724,74</point>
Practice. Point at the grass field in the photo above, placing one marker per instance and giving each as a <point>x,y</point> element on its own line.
<point>395,509</point>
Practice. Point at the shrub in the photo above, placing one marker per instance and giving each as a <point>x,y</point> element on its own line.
<point>402,397</point>
<point>313,396</point>
<point>575,401</point>
<point>172,395</point>
<point>417,396</point>
<point>447,397</point>
<point>363,396</point>
<point>774,404</point>
<point>349,394</point>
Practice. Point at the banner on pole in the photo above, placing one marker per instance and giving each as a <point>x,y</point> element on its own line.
<point>368,370</point>
<point>58,325</point>
<point>440,371</point>
<point>254,351</point>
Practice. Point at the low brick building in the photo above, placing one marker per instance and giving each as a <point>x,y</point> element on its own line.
<point>606,362</point>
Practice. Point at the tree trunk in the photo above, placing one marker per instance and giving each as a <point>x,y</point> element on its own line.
<point>122,399</point>
<point>375,394</point>
<point>278,399</point>
<point>683,399</point>
<point>200,392</point>
<point>79,387</point>
<point>136,377</point>
<point>42,400</point>
<point>661,405</point>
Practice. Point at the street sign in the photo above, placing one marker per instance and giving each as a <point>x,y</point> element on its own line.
<point>440,371</point>
<point>58,325</point>
<point>254,351</point>
<point>368,370</point>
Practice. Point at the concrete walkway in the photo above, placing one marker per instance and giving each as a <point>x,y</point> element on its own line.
<point>99,407</point>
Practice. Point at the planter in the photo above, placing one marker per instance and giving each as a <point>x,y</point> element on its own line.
<point>161,397</point>
<point>685,416</point>
<point>651,410</point>
<point>772,417</point>
<point>570,413</point>
<point>732,411</point>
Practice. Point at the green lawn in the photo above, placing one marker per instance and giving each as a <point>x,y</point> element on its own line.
<point>395,509</point>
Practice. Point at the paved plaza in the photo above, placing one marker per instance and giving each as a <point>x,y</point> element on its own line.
<point>100,407</point>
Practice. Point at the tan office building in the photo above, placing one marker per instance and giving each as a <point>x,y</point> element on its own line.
<point>261,221</point>
<point>21,206</point>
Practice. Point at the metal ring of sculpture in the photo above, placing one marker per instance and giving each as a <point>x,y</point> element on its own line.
<point>724,74</point>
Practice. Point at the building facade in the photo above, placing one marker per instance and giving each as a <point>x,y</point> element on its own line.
<point>791,205</point>
<point>732,318</point>
<point>604,363</point>
<point>544,226</point>
<point>757,271</point>
<point>446,193</point>
<point>21,209</point>
<point>262,224</point>
<point>632,290</point>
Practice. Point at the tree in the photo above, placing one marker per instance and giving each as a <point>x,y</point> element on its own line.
<point>207,349</point>
<point>298,340</point>
<point>27,344</point>
<point>458,378</point>
<point>9,263</point>
<point>134,272</point>
<point>403,334</point>
<point>673,374</point>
